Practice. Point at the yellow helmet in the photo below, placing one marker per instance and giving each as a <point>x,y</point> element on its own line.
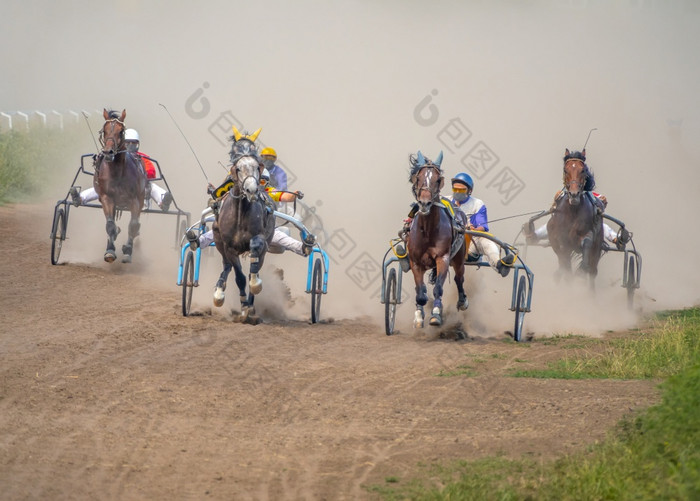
<point>268,151</point>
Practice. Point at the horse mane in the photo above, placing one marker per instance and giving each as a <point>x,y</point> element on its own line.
<point>590,179</point>
<point>113,114</point>
<point>589,185</point>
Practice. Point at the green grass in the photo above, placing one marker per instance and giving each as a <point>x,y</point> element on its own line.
<point>672,345</point>
<point>460,370</point>
<point>32,161</point>
<point>653,456</point>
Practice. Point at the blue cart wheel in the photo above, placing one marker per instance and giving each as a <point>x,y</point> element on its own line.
<point>316,291</point>
<point>187,283</point>
<point>58,234</point>
<point>520,308</point>
<point>390,301</point>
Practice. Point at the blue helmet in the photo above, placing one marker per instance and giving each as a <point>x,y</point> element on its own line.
<point>463,178</point>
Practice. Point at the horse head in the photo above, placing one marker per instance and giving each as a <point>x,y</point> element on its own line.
<point>247,176</point>
<point>577,177</point>
<point>246,167</point>
<point>112,134</point>
<point>427,180</point>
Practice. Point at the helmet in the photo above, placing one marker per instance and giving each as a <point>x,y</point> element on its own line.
<point>131,135</point>
<point>265,175</point>
<point>268,151</point>
<point>463,178</point>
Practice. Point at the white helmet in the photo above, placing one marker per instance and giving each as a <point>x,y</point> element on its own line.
<point>265,175</point>
<point>131,135</point>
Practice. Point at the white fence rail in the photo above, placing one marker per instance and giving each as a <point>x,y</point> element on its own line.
<point>25,120</point>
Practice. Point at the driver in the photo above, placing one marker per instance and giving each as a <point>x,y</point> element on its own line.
<point>477,219</point>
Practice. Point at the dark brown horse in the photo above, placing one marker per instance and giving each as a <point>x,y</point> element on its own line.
<point>243,224</point>
<point>432,242</point>
<point>576,225</point>
<point>120,182</point>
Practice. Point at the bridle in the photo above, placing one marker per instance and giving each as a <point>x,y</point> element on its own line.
<point>434,193</point>
<point>579,184</point>
<point>242,177</point>
<point>105,139</point>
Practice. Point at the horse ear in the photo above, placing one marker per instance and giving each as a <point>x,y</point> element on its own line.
<point>105,114</point>
<point>254,135</point>
<point>236,134</point>
<point>567,153</point>
<point>121,119</point>
<point>438,160</point>
<point>420,158</point>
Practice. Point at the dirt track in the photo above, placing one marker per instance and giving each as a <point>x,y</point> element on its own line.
<point>107,392</point>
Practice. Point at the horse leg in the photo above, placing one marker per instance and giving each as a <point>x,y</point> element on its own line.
<point>219,295</point>
<point>127,248</point>
<point>257,255</point>
<point>462,301</point>
<point>421,301</point>
<point>247,308</point>
<point>586,246</point>
<point>442,269</point>
<point>112,232</point>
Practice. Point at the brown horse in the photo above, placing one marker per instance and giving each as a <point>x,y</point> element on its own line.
<point>576,225</point>
<point>243,224</point>
<point>432,241</point>
<point>120,182</point>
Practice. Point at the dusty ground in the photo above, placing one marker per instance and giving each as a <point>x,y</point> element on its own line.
<point>107,392</point>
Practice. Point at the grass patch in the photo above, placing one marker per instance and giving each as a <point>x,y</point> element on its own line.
<point>653,456</point>
<point>670,346</point>
<point>460,370</point>
<point>32,161</point>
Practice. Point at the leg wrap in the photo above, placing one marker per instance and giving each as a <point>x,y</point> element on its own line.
<point>111,228</point>
<point>134,227</point>
<point>421,295</point>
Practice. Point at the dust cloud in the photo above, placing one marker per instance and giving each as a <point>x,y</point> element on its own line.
<point>346,91</point>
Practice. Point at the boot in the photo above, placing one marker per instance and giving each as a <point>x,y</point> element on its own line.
<point>504,265</point>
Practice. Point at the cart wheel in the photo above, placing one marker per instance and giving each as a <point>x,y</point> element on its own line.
<point>58,234</point>
<point>316,291</point>
<point>631,281</point>
<point>390,302</point>
<point>187,283</point>
<point>520,309</point>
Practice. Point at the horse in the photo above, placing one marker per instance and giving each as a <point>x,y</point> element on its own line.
<point>576,225</point>
<point>120,182</point>
<point>432,242</point>
<point>244,223</point>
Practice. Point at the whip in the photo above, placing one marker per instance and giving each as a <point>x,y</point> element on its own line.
<point>87,122</point>
<point>188,143</point>
<point>589,136</point>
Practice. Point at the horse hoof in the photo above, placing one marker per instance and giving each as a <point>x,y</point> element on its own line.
<point>110,256</point>
<point>219,297</point>
<point>463,305</point>
<point>436,320</point>
<point>418,320</point>
<point>255,285</point>
<point>126,258</point>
